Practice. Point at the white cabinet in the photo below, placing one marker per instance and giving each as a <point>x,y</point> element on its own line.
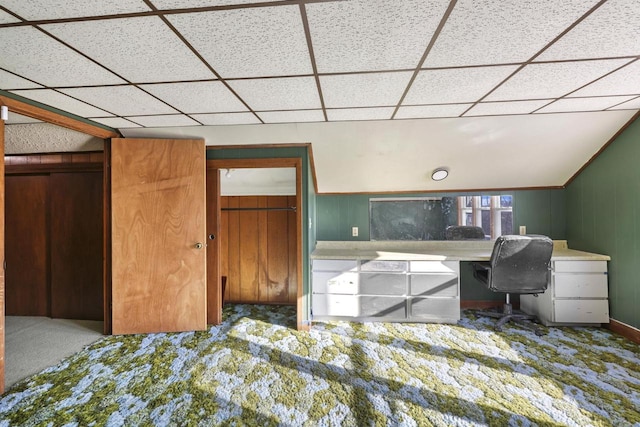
<point>386,290</point>
<point>577,295</point>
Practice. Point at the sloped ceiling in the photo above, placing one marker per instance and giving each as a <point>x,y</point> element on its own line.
<point>506,94</point>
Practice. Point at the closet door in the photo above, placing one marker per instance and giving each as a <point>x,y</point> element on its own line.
<point>76,242</point>
<point>26,234</point>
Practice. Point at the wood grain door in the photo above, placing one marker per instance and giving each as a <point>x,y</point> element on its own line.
<point>27,237</point>
<point>2,204</point>
<point>158,235</point>
<point>76,245</point>
<point>214,279</point>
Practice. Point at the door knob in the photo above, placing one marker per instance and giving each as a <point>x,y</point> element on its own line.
<point>199,245</point>
<point>212,236</point>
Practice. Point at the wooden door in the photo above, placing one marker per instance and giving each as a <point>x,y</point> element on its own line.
<point>76,245</point>
<point>214,279</point>
<point>2,256</point>
<point>158,235</point>
<point>27,237</point>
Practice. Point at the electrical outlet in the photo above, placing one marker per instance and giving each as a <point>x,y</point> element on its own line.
<point>354,231</point>
<point>523,230</point>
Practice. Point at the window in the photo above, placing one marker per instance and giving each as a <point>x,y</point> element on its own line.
<point>493,213</point>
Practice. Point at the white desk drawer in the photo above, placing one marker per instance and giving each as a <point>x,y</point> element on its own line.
<point>569,285</point>
<point>434,284</point>
<point>377,265</point>
<point>435,308</point>
<point>335,305</point>
<point>335,265</point>
<point>335,283</point>
<point>383,283</point>
<point>581,311</point>
<point>435,267</point>
<point>580,266</point>
<point>383,306</point>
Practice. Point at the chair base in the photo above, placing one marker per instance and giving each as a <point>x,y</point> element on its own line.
<point>507,315</point>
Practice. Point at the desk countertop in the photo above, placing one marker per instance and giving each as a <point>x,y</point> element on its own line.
<point>433,251</point>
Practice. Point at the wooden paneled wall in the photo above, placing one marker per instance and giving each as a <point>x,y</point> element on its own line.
<point>54,235</point>
<point>258,249</point>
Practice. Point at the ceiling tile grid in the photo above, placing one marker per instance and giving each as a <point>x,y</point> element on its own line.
<point>254,42</point>
<point>455,85</point>
<point>584,104</point>
<point>36,56</point>
<point>121,100</point>
<point>197,97</point>
<point>140,50</point>
<point>611,30</point>
<point>62,101</point>
<point>226,119</point>
<point>300,116</point>
<point>355,58</point>
<point>364,90</point>
<point>372,35</point>
<point>10,81</point>
<point>34,10</point>
<point>290,93</point>
<point>497,32</point>
<point>552,80</point>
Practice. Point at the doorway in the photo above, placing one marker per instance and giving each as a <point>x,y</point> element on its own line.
<point>262,213</point>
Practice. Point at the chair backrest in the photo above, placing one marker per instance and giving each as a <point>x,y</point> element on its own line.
<point>464,232</point>
<point>521,264</point>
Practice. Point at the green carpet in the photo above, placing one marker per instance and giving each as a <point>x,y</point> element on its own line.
<point>254,369</point>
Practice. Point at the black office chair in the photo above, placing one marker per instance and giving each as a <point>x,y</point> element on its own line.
<point>464,232</point>
<point>518,265</point>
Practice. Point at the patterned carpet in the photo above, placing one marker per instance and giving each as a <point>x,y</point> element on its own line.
<point>254,369</point>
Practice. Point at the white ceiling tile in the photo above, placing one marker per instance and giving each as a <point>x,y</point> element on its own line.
<point>18,119</point>
<point>10,81</point>
<point>506,107</point>
<point>58,9</point>
<point>552,80</point>
<point>253,42</point>
<point>197,97</point>
<point>138,49</point>
<point>291,93</point>
<point>6,18</point>
<point>344,114</point>
<point>184,4</point>
<point>428,111</point>
<point>634,104</point>
<point>493,32</point>
<point>372,35</point>
<point>362,90</point>
<point>583,104</point>
<point>29,53</point>
<point>611,30</point>
<point>292,116</point>
<point>164,121</point>
<point>121,100</point>
<point>226,119</point>
<point>625,81</point>
<point>62,102</point>
<point>455,85</point>
<point>116,122</point>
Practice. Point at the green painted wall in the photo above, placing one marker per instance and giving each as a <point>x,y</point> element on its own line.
<point>308,200</point>
<point>603,216</point>
<point>542,211</point>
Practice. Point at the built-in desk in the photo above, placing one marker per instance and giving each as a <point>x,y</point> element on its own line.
<point>419,282</point>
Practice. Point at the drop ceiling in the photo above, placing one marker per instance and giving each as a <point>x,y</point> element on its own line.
<point>507,94</point>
